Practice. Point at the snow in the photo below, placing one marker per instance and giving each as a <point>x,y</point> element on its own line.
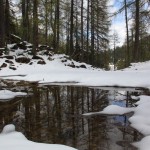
<point>57,71</point>
<point>13,140</point>
<point>112,110</point>
<point>6,94</point>
<point>140,120</point>
<point>144,144</point>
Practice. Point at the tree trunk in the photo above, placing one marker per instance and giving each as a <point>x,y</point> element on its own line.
<point>57,23</point>
<point>136,43</point>
<point>92,33</point>
<point>46,22</point>
<point>127,34</point>
<point>2,24</point>
<point>87,36</point>
<point>35,26</point>
<point>82,47</point>
<point>71,28</point>
<point>7,20</point>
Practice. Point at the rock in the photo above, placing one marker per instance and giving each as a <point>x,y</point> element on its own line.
<point>43,47</point>
<point>14,47</point>
<point>22,60</point>
<point>29,46</point>
<point>9,57</point>
<point>42,62</point>
<point>37,57</point>
<point>1,53</point>
<point>13,68</point>
<point>50,59</point>
<point>22,46</point>
<point>82,66</point>
<point>72,65</point>
<point>64,60</point>
<point>15,39</point>
<point>9,61</point>
<point>4,65</point>
<point>30,63</point>
<point>48,53</point>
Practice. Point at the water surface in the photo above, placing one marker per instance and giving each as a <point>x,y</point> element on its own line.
<point>53,114</point>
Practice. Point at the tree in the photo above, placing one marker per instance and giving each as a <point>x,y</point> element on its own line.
<point>115,41</point>
<point>137,23</point>
<point>82,30</point>
<point>127,35</point>
<point>71,28</point>
<point>35,26</point>
<point>2,24</point>
<point>25,19</point>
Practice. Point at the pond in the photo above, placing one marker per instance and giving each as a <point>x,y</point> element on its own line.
<point>53,114</point>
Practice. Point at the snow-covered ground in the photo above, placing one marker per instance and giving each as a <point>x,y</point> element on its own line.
<point>57,70</point>
<point>13,140</point>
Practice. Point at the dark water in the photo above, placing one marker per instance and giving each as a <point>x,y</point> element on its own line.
<point>53,114</point>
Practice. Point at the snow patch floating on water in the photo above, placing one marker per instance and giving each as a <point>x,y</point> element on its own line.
<point>112,110</point>
<point>6,94</point>
<point>12,140</point>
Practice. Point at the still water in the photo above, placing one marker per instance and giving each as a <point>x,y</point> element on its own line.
<point>53,114</point>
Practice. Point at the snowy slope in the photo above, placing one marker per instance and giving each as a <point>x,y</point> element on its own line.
<point>57,69</point>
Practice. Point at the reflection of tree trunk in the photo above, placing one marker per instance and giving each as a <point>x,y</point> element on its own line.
<point>89,134</point>
<point>88,103</point>
<point>37,115</point>
<point>77,108</point>
<point>58,110</point>
<point>48,113</point>
<point>82,109</point>
<point>72,116</point>
<point>27,117</point>
<point>92,102</point>
<point>2,24</point>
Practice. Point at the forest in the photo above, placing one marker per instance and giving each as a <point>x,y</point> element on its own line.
<point>78,28</point>
<point>66,83</point>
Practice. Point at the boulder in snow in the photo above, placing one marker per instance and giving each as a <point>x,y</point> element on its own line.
<point>22,60</point>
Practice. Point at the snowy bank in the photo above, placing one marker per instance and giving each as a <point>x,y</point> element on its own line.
<point>12,140</point>
<point>57,69</point>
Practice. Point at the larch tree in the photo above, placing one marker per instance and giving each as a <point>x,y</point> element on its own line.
<point>2,23</point>
<point>35,26</point>
<point>127,35</point>
<point>71,48</point>
<point>137,27</point>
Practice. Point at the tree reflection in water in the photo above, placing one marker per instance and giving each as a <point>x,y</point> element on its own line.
<point>53,114</point>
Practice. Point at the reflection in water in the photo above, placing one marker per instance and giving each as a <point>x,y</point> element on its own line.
<point>53,114</point>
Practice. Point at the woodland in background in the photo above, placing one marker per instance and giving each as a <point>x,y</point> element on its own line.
<point>78,28</point>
